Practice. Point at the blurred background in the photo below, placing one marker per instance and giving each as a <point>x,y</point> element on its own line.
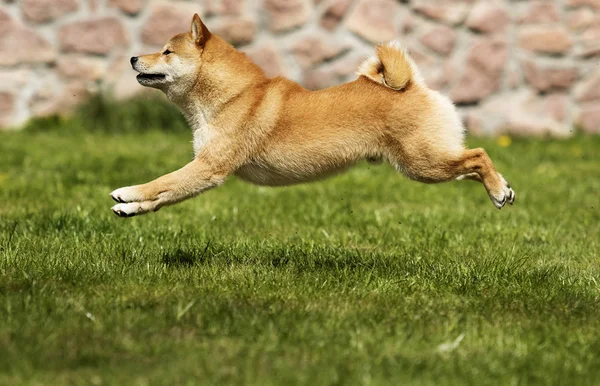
<point>515,67</point>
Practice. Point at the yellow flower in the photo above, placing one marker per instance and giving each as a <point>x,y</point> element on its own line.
<point>504,140</point>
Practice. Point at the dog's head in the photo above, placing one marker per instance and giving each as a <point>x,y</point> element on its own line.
<point>177,65</point>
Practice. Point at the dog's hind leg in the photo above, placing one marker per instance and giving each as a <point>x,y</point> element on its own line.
<point>476,165</point>
<point>472,164</point>
<point>470,176</point>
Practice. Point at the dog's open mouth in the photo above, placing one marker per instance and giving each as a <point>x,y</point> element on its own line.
<point>151,77</point>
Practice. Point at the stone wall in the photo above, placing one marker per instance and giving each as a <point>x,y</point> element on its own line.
<point>523,67</point>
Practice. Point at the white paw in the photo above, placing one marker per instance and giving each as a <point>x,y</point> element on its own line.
<point>506,194</point>
<point>134,208</point>
<point>127,194</point>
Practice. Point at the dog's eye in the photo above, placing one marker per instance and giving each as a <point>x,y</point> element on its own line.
<point>167,52</point>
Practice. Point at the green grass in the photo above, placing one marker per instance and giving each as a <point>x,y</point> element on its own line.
<point>355,280</point>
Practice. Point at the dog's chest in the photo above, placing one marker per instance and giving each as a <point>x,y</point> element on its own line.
<point>202,134</point>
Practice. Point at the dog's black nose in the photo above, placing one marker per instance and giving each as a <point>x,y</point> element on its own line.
<point>133,60</point>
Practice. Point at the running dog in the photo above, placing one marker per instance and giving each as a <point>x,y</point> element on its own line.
<point>271,131</point>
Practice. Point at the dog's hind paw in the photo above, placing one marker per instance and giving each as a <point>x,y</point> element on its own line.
<point>511,195</point>
<point>506,195</point>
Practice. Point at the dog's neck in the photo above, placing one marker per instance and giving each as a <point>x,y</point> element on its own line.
<point>224,76</point>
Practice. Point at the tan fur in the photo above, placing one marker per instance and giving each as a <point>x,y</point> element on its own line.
<point>274,132</point>
<point>392,67</point>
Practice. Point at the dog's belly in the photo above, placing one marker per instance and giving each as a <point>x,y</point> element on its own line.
<point>265,174</point>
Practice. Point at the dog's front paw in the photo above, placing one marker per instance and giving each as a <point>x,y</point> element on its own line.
<point>132,202</point>
<point>135,208</point>
<point>124,210</point>
<point>505,194</point>
<point>127,194</point>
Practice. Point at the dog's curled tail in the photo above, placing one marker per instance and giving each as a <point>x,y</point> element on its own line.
<point>392,67</point>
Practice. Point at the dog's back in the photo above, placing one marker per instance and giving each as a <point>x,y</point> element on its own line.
<point>388,112</point>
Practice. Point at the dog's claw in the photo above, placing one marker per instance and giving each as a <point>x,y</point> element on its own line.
<point>116,199</point>
<point>502,203</point>
<point>504,196</point>
<point>511,196</point>
<point>123,214</point>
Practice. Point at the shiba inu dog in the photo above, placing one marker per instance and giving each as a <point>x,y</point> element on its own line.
<point>274,132</point>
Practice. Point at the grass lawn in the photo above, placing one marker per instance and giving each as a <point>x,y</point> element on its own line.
<point>366,278</point>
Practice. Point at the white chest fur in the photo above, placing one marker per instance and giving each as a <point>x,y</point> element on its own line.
<point>201,132</point>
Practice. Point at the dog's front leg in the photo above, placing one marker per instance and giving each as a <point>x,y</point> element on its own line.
<point>189,181</point>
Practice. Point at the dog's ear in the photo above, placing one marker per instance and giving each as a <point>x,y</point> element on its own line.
<point>200,33</point>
